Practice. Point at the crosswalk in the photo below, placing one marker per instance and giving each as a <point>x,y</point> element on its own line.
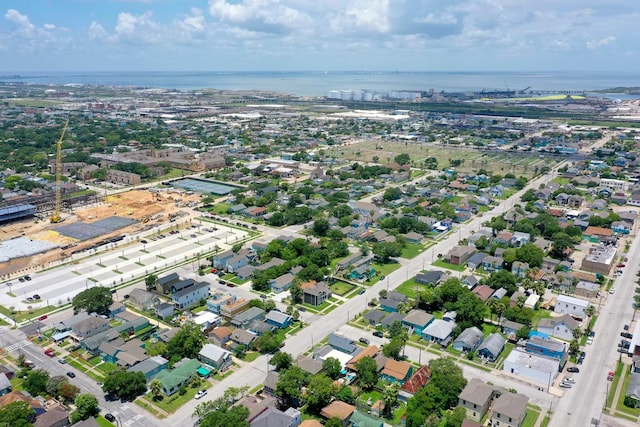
<point>18,345</point>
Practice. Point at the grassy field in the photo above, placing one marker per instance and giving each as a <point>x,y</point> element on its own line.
<point>411,250</point>
<point>440,263</point>
<point>341,288</point>
<point>497,162</point>
<point>409,288</point>
<point>530,418</point>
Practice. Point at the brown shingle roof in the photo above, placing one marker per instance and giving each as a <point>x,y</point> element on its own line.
<point>339,409</point>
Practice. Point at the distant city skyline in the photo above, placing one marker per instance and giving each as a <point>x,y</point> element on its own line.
<point>331,35</point>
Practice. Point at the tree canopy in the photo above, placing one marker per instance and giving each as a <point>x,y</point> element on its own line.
<point>93,300</point>
<point>186,343</point>
<point>124,384</point>
<point>17,414</point>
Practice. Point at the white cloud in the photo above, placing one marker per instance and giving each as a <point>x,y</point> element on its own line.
<point>18,20</point>
<point>144,30</point>
<point>268,16</point>
<point>597,44</point>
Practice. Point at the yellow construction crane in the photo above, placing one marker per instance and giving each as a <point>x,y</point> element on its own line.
<point>55,217</point>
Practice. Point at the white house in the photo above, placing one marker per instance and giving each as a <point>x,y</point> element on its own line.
<point>559,327</point>
<point>537,369</point>
<point>573,306</point>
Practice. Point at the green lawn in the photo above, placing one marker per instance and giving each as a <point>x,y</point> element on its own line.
<point>621,406</point>
<point>341,288</point>
<point>102,422</point>
<point>250,356</point>
<point>440,263</point>
<point>384,269</point>
<point>174,402</point>
<point>411,250</point>
<point>221,208</point>
<point>107,367</point>
<point>409,288</point>
<point>530,418</point>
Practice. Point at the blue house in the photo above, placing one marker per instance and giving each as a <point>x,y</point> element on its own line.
<point>416,320</point>
<point>220,260</point>
<point>278,319</point>
<point>237,262</point>
<point>548,347</point>
<point>496,191</point>
<point>150,367</point>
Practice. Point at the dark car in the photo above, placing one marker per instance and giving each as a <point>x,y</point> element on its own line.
<point>378,334</point>
<point>626,335</point>
<point>71,374</point>
<point>364,341</point>
<point>143,242</point>
<point>110,397</point>
<point>27,278</point>
<point>36,297</point>
<point>126,296</point>
<point>580,360</point>
<point>382,278</point>
<point>110,417</point>
<point>573,369</point>
<point>626,327</point>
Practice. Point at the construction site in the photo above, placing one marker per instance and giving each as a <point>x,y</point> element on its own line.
<point>81,227</point>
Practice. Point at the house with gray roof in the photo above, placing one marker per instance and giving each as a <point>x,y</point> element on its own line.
<point>475,260</point>
<point>491,347</point>
<point>416,320</point>
<point>309,365</point>
<point>89,327</point>
<point>281,283</point>
<point>164,283</point>
<point>509,410</point>
<point>429,277</point>
<point>633,389</point>
<point>475,398</point>
<point>242,337</point>
<point>187,298</point>
<point>390,318</point>
<point>343,344</point>
<point>559,326</point>
<point>243,319</point>
<point>374,317</point>
<point>215,356</point>
<point>278,319</point>
<point>468,340</point>
<point>150,366</point>
<point>439,331</point>
<point>143,300</point>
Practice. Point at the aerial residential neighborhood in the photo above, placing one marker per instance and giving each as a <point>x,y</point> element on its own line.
<point>290,265</point>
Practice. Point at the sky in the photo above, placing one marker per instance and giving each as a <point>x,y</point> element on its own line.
<point>319,35</point>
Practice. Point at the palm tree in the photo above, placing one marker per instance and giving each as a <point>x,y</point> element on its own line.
<point>389,398</point>
<point>155,387</point>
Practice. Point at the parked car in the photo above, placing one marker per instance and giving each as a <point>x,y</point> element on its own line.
<point>71,374</point>
<point>27,278</point>
<point>626,327</point>
<point>573,369</point>
<point>49,352</point>
<point>590,340</point>
<point>201,394</point>
<point>43,317</point>
<point>110,397</point>
<point>378,334</point>
<point>565,385</point>
<point>62,361</point>
<point>610,375</point>
<point>382,278</point>
<point>36,296</point>
<point>612,291</point>
<point>110,418</point>
<point>626,335</point>
<point>364,340</point>
<point>569,380</point>
<point>144,242</point>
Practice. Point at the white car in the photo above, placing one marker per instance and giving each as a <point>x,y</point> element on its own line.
<point>201,394</point>
<point>569,380</point>
<point>590,340</point>
<point>612,290</point>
